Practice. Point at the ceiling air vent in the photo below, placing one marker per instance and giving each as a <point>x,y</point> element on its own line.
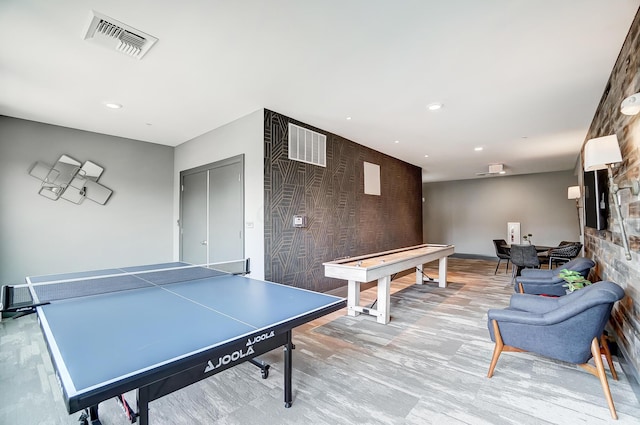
<point>307,146</point>
<point>116,35</point>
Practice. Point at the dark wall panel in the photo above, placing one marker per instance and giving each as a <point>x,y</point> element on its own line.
<point>341,220</point>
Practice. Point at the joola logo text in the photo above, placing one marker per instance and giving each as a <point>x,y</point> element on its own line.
<point>238,354</point>
<point>228,358</point>
<point>260,338</point>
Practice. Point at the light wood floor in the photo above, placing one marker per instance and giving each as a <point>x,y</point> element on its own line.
<point>428,366</point>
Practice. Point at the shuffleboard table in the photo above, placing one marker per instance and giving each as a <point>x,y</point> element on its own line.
<point>382,266</point>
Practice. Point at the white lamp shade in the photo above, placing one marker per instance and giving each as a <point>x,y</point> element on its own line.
<point>631,105</point>
<point>601,151</point>
<point>573,192</point>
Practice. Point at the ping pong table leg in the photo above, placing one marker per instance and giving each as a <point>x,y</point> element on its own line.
<point>143,405</point>
<point>93,415</point>
<point>288,358</point>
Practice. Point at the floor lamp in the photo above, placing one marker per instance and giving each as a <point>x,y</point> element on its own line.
<point>574,193</point>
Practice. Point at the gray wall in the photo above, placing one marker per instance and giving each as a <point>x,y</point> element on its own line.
<point>471,213</point>
<point>39,236</point>
<point>242,136</point>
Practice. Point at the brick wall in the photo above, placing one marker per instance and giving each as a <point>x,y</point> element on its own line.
<point>605,246</point>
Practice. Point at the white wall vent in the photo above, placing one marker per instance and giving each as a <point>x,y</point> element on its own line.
<point>307,146</point>
<point>113,34</point>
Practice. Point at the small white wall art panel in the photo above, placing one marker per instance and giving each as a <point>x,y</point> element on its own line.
<point>371,179</point>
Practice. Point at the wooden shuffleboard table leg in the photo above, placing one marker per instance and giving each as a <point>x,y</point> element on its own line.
<point>384,299</point>
<point>353,297</point>
<point>442,272</point>
<point>419,274</point>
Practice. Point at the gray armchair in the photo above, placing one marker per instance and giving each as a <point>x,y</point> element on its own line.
<point>544,281</point>
<point>568,329</point>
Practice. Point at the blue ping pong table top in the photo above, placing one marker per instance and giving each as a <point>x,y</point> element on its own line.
<point>99,340</point>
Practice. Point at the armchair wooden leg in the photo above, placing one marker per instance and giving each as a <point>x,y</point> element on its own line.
<point>520,288</point>
<point>607,354</point>
<point>600,373</point>
<point>497,350</point>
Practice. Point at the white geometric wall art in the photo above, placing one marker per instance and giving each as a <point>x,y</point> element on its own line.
<point>70,180</point>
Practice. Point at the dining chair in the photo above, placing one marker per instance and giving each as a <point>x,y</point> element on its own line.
<point>523,256</point>
<point>502,252</point>
<point>564,253</point>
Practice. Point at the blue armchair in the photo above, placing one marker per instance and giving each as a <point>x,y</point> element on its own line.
<point>568,328</point>
<point>539,281</point>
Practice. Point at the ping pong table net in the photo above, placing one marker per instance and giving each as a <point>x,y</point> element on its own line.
<point>23,299</point>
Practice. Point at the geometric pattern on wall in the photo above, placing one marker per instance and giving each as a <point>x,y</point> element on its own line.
<point>341,220</point>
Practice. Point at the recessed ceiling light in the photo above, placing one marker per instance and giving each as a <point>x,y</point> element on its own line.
<point>397,141</point>
<point>502,172</point>
<point>348,118</point>
<point>478,149</point>
<point>426,156</point>
<point>435,106</point>
<point>112,105</point>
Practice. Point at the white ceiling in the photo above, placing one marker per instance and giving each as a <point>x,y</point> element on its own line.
<point>522,79</point>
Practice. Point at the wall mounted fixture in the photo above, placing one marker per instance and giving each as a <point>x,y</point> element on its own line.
<point>494,170</point>
<point>601,153</point>
<point>573,192</point>
<point>70,180</point>
<point>631,105</point>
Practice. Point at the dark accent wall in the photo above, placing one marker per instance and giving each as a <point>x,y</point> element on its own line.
<point>341,220</point>
<point>605,246</point>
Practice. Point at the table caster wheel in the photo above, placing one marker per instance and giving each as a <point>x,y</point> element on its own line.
<point>84,418</point>
<point>265,372</point>
<point>288,404</point>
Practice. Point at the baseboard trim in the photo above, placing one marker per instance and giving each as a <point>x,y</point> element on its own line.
<point>474,256</point>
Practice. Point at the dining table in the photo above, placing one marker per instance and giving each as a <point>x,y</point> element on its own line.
<point>539,248</point>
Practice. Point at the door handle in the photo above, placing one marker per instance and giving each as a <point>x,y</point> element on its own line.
<point>203,243</point>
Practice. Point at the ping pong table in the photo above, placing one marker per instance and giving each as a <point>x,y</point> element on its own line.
<point>159,328</point>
